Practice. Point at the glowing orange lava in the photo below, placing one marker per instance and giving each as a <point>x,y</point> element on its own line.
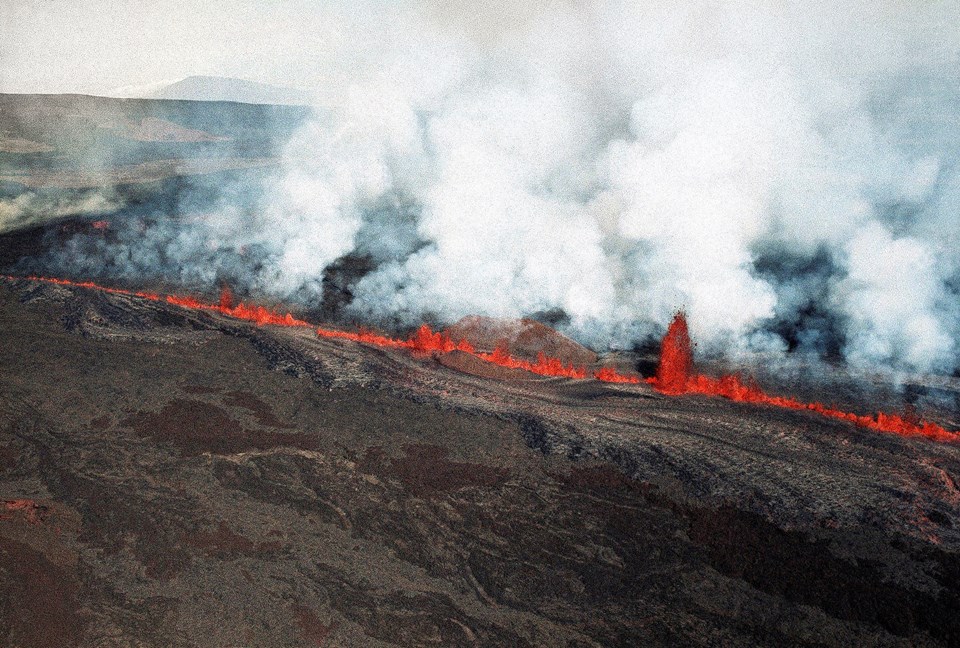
<point>226,297</point>
<point>675,376</point>
<point>676,358</point>
<point>256,314</point>
<point>425,340</point>
<point>610,375</point>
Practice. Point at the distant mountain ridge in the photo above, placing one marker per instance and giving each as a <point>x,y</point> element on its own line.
<point>215,88</point>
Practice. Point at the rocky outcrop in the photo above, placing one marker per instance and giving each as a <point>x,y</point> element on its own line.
<point>524,338</point>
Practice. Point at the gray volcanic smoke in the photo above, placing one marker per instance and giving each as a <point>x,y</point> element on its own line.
<point>787,174</point>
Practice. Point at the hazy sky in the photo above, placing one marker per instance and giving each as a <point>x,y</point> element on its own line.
<point>95,46</point>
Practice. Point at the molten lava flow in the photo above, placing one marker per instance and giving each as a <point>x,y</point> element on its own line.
<point>226,297</point>
<point>363,335</point>
<point>426,341</point>
<point>256,314</point>
<point>675,376</point>
<point>611,375</point>
<point>676,358</point>
<point>544,366</point>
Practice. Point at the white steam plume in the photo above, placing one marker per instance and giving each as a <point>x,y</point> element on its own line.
<point>786,172</point>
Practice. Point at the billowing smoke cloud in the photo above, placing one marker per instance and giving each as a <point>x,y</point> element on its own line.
<point>788,174</point>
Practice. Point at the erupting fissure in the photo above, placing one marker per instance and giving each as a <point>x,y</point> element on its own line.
<point>675,376</point>
<point>675,373</point>
<point>425,340</point>
<point>257,314</point>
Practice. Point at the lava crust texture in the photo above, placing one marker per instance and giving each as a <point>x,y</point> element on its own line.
<point>174,477</point>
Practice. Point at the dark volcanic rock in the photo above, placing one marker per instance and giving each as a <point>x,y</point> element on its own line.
<point>38,599</point>
<point>426,471</point>
<point>471,364</point>
<point>195,427</point>
<point>524,338</point>
<point>185,480</point>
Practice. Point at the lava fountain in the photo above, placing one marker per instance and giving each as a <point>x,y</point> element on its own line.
<point>675,373</point>
<point>675,376</point>
<point>676,358</point>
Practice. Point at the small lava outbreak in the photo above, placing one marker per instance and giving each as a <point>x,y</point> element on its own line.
<point>675,374</point>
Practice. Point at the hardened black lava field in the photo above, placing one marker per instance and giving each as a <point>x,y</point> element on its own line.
<point>180,478</point>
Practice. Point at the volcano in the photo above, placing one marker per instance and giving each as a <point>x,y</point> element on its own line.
<point>225,470</point>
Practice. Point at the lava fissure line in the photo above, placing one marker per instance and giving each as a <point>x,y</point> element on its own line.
<point>675,375</point>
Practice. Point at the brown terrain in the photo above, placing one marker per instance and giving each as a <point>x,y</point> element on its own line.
<point>69,156</point>
<point>78,141</point>
<point>176,478</point>
<point>526,339</point>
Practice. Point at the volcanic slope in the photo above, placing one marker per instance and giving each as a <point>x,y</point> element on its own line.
<point>170,477</point>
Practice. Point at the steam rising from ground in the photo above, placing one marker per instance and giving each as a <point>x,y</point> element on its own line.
<point>788,175</point>
<point>31,208</point>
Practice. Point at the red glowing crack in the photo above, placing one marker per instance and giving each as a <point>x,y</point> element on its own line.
<point>675,375</point>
